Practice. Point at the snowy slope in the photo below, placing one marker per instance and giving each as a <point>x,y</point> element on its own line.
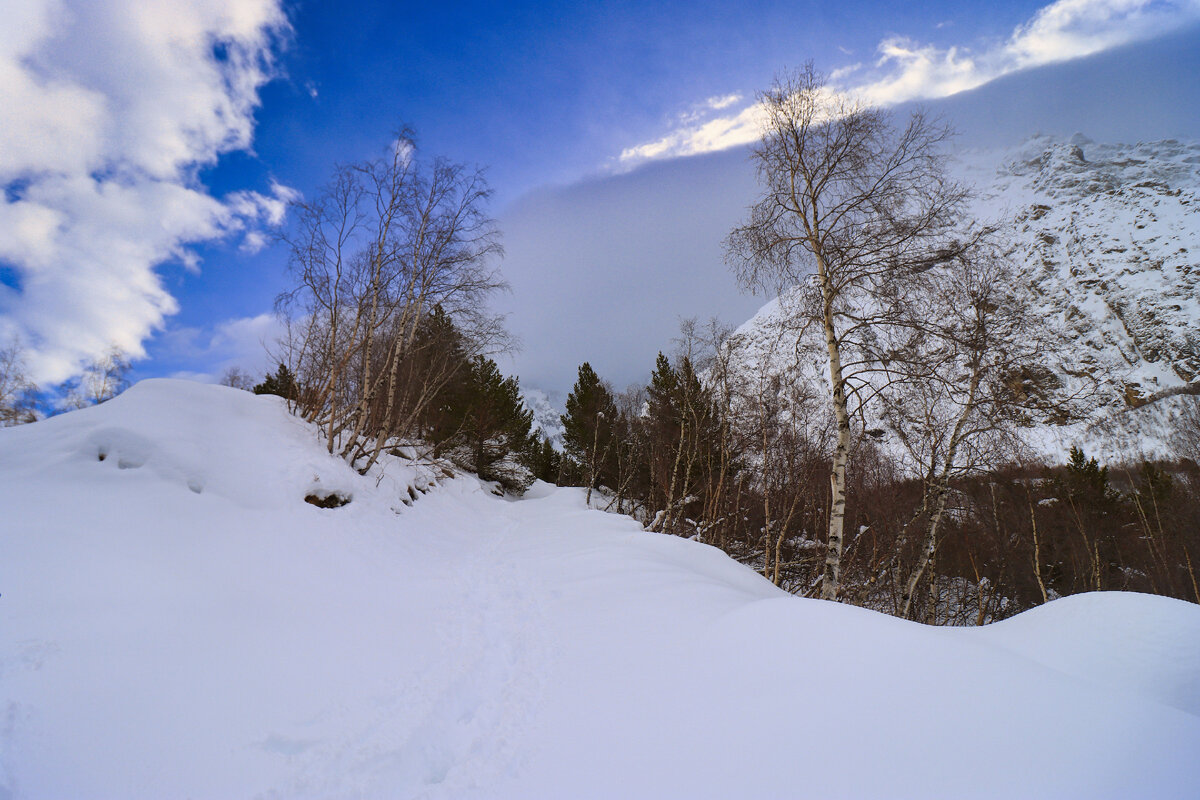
<point>1107,238</point>
<point>176,622</point>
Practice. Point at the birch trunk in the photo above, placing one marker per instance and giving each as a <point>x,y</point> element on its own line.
<point>928,548</point>
<point>830,581</point>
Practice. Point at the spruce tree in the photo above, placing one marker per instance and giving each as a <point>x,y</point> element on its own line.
<point>1085,482</point>
<point>662,427</point>
<point>683,433</point>
<point>438,355</point>
<point>589,424</point>
<point>542,459</point>
<point>281,383</point>
<point>495,428</point>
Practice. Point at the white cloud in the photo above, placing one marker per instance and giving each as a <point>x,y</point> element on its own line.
<point>722,101</point>
<point>253,242</point>
<point>247,343</point>
<point>908,70</point>
<point>109,110</point>
<point>704,136</point>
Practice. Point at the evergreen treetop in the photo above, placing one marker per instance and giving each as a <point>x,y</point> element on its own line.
<point>282,383</point>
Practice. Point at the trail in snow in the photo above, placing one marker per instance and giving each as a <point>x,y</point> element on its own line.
<point>236,642</point>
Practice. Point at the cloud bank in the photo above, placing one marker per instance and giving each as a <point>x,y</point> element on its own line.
<point>629,254</point>
<point>907,70</point>
<point>109,111</point>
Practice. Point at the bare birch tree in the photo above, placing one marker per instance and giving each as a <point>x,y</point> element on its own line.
<point>102,380</point>
<point>852,204</point>
<point>17,391</point>
<point>955,412</point>
<point>386,243</point>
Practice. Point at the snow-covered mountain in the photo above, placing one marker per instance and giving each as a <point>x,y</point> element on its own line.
<point>547,418</point>
<point>176,621</point>
<point>1107,238</point>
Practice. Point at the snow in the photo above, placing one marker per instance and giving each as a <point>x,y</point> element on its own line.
<point>175,621</point>
<point>1107,235</point>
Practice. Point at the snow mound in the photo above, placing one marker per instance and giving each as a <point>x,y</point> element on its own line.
<point>1128,643</point>
<point>175,621</point>
<point>205,439</point>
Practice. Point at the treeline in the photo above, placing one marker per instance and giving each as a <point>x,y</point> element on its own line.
<point>871,419</point>
<point>748,472</point>
<point>864,455</point>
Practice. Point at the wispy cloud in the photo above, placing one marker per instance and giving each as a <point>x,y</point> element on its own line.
<point>905,69</point>
<point>724,101</point>
<point>246,343</point>
<point>109,110</point>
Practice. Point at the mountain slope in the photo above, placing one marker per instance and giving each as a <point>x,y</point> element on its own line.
<point>547,418</point>
<point>176,621</point>
<point>1107,241</point>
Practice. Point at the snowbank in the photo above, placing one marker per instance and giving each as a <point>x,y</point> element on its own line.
<point>176,621</point>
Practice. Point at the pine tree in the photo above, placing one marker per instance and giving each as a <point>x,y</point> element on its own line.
<point>542,459</point>
<point>589,429</point>
<point>434,381</point>
<point>1085,482</point>
<point>683,429</point>
<point>282,383</point>
<point>495,426</point>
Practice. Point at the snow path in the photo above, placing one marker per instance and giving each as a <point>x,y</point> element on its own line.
<point>234,642</point>
<point>454,725</point>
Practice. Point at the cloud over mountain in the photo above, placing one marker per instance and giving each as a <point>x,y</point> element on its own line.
<point>905,69</point>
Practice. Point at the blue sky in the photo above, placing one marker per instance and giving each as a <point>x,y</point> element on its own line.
<point>547,92</point>
<point>142,165</point>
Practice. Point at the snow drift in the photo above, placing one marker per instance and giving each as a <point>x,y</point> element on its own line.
<point>176,621</point>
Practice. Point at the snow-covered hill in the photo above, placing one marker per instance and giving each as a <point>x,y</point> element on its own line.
<point>175,621</point>
<point>1107,238</point>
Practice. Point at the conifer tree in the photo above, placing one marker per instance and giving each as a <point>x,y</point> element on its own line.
<point>589,429</point>
<point>281,383</point>
<point>496,426</point>
<point>683,430</point>
<point>1085,482</point>
<point>437,373</point>
<point>542,459</point>
<point>662,426</point>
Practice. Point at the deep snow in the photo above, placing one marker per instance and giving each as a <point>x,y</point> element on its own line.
<point>176,622</point>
